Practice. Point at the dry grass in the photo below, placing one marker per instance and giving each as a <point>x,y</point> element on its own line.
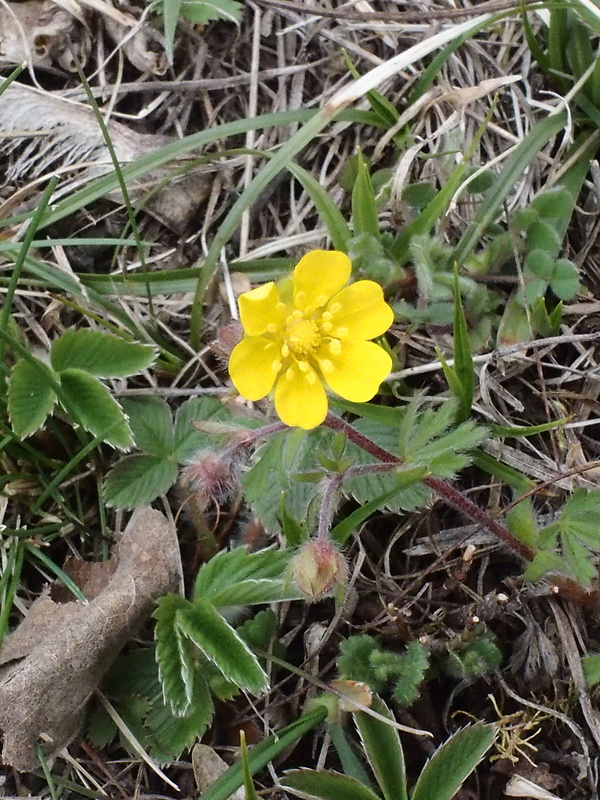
<point>413,575</point>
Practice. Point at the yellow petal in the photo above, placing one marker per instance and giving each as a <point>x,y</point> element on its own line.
<point>253,366</point>
<point>318,276</point>
<point>300,398</point>
<point>357,371</point>
<point>360,311</point>
<point>260,308</point>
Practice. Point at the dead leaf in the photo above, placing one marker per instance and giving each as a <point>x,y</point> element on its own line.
<point>139,46</point>
<point>41,33</point>
<point>65,648</point>
<point>47,132</point>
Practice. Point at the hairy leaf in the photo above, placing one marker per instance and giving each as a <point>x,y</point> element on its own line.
<point>99,354</point>
<point>218,641</point>
<point>151,424</point>
<point>383,749</point>
<point>93,407</point>
<point>453,762</point>
<point>139,479</point>
<point>30,396</point>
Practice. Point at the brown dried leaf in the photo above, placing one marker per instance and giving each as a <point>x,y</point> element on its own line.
<point>49,132</point>
<point>41,33</point>
<point>66,648</point>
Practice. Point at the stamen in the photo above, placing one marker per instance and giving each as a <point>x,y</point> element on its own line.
<point>276,366</point>
<point>303,366</point>
<point>297,315</point>
<point>326,326</point>
<point>311,378</point>
<point>335,308</point>
<point>321,300</point>
<point>300,297</point>
<point>285,350</point>
<point>271,327</point>
<point>341,333</point>
<point>327,316</point>
<point>280,306</point>
<point>326,365</point>
<point>290,374</point>
<point>335,347</point>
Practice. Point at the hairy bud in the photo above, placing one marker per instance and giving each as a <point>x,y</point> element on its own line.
<point>209,475</point>
<point>319,568</point>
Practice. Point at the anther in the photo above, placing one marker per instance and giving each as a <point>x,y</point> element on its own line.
<point>335,347</point>
<point>341,333</point>
<point>326,365</point>
<point>303,366</point>
<point>271,327</point>
<point>326,326</point>
<point>335,307</point>
<point>276,366</point>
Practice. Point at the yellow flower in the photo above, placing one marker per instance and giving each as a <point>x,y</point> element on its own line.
<point>309,330</point>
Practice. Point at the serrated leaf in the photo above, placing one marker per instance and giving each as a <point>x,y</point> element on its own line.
<point>31,397</point>
<point>93,407</point>
<point>259,631</point>
<point>100,354</point>
<point>217,579</point>
<point>218,641</point>
<point>383,749</point>
<point>139,479</point>
<point>169,735</point>
<point>187,440</point>
<point>151,424</point>
<point>544,562</point>
<point>168,656</point>
<point>453,762</point>
<point>578,559</point>
<point>582,501</point>
<point>325,785</point>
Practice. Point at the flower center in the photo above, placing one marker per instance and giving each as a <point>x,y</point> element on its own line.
<point>302,336</point>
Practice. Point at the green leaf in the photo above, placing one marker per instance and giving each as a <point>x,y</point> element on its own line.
<point>453,762</point>
<point>199,12</point>
<point>365,219</point>
<point>565,281</point>
<point>30,396</point>
<point>328,211</point>
<point>521,521</point>
<point>541,263</point>
<point>93,407</point>
<point>591,669</point>
<point>171,9</point>
<point>151,424</point>
<point>175,690</point>
<point>542,235</point>
<point>218,641</point>
<point>403,478</point>
<point>139,479</point>
<point>264,752</point>
<point>325,785</point>
<point>249,790</point>
<point>543,562</point>
<point>100,354</point>
<point>237,577</point>
<point>419,195</point>
<point>383,749</point>
<point>187,439</point>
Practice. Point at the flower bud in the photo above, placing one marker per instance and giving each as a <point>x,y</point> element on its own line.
<point>209,475</point>
<point>318,568</point>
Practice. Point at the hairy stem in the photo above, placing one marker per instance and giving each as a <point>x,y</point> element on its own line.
<point>453,496</point>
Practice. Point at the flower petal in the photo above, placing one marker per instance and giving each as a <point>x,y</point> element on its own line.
<point>253,366</point>
<point>357,371</point>
<point>258,309</point>
<point>318,276</point>
<point>360,312</point>
<point>300,398</point>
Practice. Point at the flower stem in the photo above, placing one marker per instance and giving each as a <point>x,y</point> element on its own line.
<point>453,496</point>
